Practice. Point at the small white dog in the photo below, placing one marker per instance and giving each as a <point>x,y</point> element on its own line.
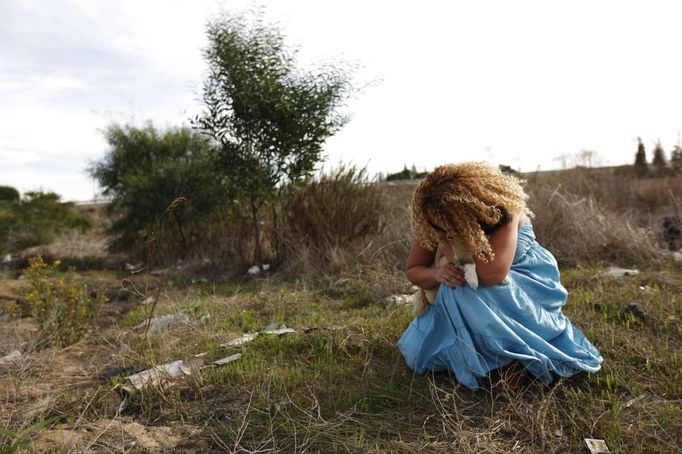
<point>447,251</point>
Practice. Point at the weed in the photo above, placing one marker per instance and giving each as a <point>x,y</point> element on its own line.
<point>62,307</point>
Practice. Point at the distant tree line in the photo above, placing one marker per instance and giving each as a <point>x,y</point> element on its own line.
<point>659,166</point>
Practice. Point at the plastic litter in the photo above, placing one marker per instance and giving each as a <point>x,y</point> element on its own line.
<point>162,374</point>
<point>399,299</point>
<point>148,300</point>
<point>164,322</point>
<point>246,338</point>
<point>7,258</point>
<point>615,271</point>
<point>228,359</point>
<point>132,267</point>
<point>255,269</point>
<point>597,446</point>
<point>273,328</point>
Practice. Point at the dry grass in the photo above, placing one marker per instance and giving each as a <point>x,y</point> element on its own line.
<point>339,384</point>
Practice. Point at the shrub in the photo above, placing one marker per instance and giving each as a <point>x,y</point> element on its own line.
<point>62,307</point>
<point>146,170</point>
<point>36,219</point>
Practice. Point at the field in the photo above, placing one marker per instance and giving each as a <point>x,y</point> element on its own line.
<point>337,383</point>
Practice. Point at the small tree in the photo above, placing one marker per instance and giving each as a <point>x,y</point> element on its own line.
<point>676,159</point>
<point>641,167</point>
<point>658,160</point>
<point>269,118</point>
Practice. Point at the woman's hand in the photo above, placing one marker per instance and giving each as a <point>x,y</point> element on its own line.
<point>450,275</point>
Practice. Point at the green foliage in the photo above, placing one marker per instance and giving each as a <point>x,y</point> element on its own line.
<point>35,219</point>
<point>269,118</point>
<point>8,194</point>
<point>146,170</point>
<point>641,167</point>
<point>12,441</point>
<point>62,307</point>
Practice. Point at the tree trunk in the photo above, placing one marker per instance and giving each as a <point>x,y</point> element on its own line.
<point>257,253</point>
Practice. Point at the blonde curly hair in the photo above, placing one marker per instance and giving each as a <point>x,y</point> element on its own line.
<point>464,199</point>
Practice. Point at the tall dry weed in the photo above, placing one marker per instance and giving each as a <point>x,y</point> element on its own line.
<point>579,230</point>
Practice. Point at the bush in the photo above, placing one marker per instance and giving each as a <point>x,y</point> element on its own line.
<point>146,170</point>
<point>62,307</point>
<point>36,219</point>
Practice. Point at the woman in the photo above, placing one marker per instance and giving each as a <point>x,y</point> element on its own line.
<point>515,313</point>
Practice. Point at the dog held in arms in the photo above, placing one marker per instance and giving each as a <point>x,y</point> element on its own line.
<point>453,251</point>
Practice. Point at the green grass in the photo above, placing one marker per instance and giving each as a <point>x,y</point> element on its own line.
<point>343,386</point>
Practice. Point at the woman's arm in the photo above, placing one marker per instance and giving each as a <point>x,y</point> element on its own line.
<point>422,272</point>
<point>503,243</point>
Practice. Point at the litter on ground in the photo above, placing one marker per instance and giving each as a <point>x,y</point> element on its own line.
<point>597,446</point>
<point>164,322</point>
<point>161,374</point>
<point>615,271</point>
<point>273,328</point>
<point>228,359</point>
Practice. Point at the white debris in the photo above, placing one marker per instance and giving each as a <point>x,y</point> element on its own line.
<point>161,374</point>
<point>12,356</point>
<point>132,267</point>
<point>279,331</point>
<point>273,328</point>
<point>164,322</point>
<point>7,258</point>
<point>205,318</point>
<point>597,446</point>
<point>677,255</point>
<point>228,359</point>
<point>615,271</point>
<point>246,338</point>
<point>148,300</point>
<point>399,299</point>
<point>255,269</point>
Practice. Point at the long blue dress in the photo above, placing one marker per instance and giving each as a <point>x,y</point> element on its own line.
<point>472,332</point>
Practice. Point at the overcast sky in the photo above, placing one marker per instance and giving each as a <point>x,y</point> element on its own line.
<point>519,82</point>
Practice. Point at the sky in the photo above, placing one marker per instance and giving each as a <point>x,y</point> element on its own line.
<point>520,83</point>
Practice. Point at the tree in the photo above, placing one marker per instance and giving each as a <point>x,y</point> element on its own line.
<point>269,118</point>
<point>145,170</point>
<point>676,159</point>
<point>641,167</point>
<point>658,160</point>
<point>9,194</point>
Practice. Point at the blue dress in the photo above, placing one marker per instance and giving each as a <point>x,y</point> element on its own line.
<point>472,332</point>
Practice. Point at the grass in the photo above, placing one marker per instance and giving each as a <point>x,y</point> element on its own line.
<point>339,384</point>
